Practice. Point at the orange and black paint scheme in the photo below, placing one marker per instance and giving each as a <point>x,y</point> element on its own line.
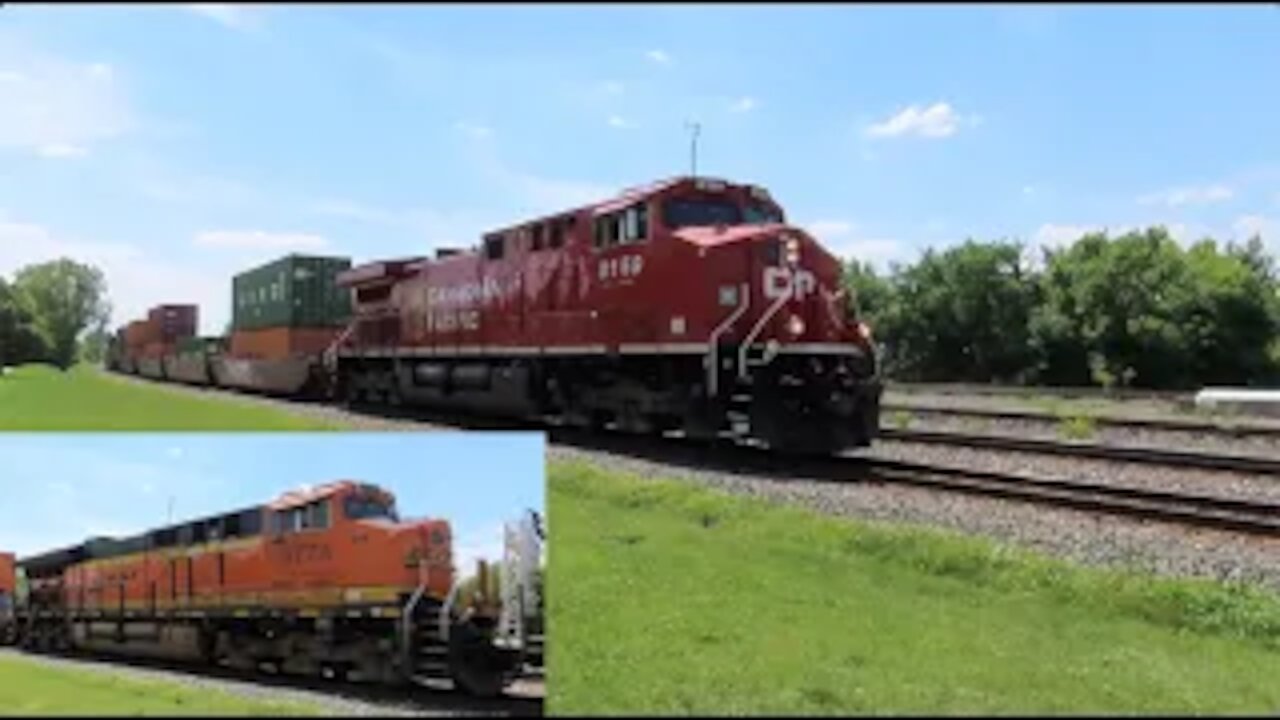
<point>326,581</point>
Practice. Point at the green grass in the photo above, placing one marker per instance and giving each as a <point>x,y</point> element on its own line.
<point>673,599</point>
<point>1077,427</point>
<point>85,398</point>
<point>30,688</point>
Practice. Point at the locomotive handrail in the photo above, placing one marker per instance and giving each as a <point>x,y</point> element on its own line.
<point>406,624</point>
<point>446,611</point>
<point>759,327</point>
<point>331,352</point>
<point>713,365</point>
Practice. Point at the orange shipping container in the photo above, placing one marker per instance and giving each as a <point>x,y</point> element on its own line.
<point>8,575</point>
<point>279,343</point>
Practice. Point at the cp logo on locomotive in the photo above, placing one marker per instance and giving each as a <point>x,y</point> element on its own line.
<point>781,281</point>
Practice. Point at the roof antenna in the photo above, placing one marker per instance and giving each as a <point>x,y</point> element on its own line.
<point>695,128</point>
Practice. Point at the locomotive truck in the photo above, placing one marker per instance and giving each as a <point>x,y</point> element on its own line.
<point>687,305</point>
<point>327,581</point>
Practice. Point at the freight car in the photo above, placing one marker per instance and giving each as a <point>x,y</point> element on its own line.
<point>687,305</point>
<point>327,581</point>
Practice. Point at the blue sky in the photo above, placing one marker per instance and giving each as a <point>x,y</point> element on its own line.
<point>62,489</point>
<point>175,145</point>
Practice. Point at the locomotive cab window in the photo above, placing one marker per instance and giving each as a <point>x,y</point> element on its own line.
<point>493,247</point>
<point>366,506</point>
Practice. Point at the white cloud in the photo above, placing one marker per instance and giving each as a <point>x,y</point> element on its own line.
<point>62,150</point>
<point>1028,190</point>
<point>136,280</point>
<point>236,17</point>
<point>1178,197</point>
<point>437,229</point>
<point>938,120</point>
<point>484,544</point>
<point>659,56</point>
<point>825,230</point>
<point>475,131</point>
<point>260,240</point>
<point>743,104</point>
<point>1246,226</point>
<point>841,238</point>
<point>617,121</point>
<point>54,103</point>
<point>613,87</point>
<point>175,453</point>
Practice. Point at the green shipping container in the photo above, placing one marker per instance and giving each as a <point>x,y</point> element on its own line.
<point>294,291</point>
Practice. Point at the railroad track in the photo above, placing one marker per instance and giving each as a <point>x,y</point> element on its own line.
<point>1248,516</point>
<point>1237,430</point>
<point>1134,454</point>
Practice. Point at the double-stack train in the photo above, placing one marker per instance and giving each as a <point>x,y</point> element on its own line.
<point>686,305</point>
<point>326,581</point>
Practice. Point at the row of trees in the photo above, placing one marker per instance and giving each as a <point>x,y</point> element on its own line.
<point>54,312</point>
<point>1135,310</point>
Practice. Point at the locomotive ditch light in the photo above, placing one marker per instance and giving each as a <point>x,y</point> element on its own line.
<point>864,331</point>
<point>795,325</point>
<point>791,251</point>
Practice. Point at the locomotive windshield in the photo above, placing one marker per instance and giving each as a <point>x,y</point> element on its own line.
<point>686,212</point>
<point>371,505</point>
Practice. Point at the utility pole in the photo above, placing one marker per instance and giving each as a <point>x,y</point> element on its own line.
<point>696,129</point>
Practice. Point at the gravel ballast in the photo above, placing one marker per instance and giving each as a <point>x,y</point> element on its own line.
<point>1089,538</point>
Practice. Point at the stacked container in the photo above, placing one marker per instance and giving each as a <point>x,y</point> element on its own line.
<point>289,307</point>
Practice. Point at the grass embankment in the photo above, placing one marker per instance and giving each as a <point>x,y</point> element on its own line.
<point>42,398</point>
<point>31,688</point>
<point>675,599</point>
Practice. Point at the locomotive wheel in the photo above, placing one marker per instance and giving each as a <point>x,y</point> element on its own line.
<point>477,668</point>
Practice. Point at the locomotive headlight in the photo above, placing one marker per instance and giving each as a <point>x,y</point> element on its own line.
<point>791,251</point>
<point>795,325</point>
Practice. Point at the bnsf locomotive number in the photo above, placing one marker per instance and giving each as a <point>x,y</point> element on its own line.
<point>305,554</point>
<point>627,266</point>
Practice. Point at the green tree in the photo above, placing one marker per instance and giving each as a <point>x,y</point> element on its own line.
<point>65,298</point>
<point>19,340</point>
<point>962,314</point>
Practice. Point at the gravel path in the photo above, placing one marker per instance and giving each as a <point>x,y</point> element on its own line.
<point>1084,537</point>
<point>338,701</point>
<point>1204,441</point>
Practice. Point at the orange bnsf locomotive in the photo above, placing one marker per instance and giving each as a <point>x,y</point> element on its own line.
<point>327,581</point>
<point>687,305</point>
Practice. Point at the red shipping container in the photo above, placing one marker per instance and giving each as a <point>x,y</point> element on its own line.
<point>174,322</point>
<point>279,343</point>
<point>8,574</point>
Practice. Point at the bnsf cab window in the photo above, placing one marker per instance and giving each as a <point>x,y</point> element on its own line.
<point>368,507</point>
<point>312,516</point>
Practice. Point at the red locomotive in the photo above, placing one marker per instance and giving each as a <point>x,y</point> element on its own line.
<point>327,581</point>
<point>686,305</point>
